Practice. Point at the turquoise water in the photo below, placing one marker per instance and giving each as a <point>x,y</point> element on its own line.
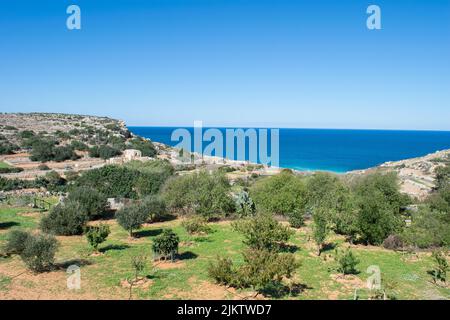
<point>337,150</point>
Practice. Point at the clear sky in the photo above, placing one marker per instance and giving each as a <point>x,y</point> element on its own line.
<point>279,63</point>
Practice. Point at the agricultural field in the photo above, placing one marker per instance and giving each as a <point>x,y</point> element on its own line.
<point>104,275</point>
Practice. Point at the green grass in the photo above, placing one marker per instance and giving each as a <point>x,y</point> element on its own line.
<point>102,274</point>
<point>4,165</point>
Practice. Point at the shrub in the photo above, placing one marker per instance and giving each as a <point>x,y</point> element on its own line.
<point>263,269</point>
<point>39,252</point>
<point>263,232</point>
<point>7,148</point>
<point>42,150</point>
<point>245,206</point>
<point>112,181</point>
<point>393,242</point>
<point>200,193</point>
<point>320,228</point>
<point>428,229</point>
<point>78,145</point>
<point>441,267</point>
<point>131,217</point>
<point>92,202</point>
<point>97,235</point>
<point>104,151</point>
<point>347,262</point>
<point>195,225</point>
<point>296,219</point>
<point>154,207</point>
<point>15,242</point>
<point>280,194</point>
<point>144,145</point>
<point>64,153</point>
<point>43,167</point>
<point>222,271</point>
<point>26,134</point>
<point>52,181</point>
<point>166,244</point>
<point>66,219</point>
<point>10,170</point>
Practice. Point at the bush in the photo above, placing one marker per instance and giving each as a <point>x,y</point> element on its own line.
<point>280,194</point>
<point>7,148</point>
<point>112,181</point>
<point>64,153</point>
<point>199,193</point>
<point>65,219</point>
<point>39,252</point>
<point>262,270</point>
<point>42,150</point>
<point>195,225</point>
<point>132,217</point>
<point>296,219</point>
<point>26,134</point>
<point>78,145</point>
<point>441,267</point>
<point>166,244</point>
<point>263,232</point>
<point>92,202</point>
<point>393,242</point>
<point>347,262</point>
<point>43,167</point>
<point>15,242</point>
<point>104,151</point>
<point>222,271</point>
<point>155,208</point>
<point>97,235</point>
<point>52,181</point>
<point>245,206</point>
<point>144,145</point>
<point>122,182</point>
<point>11,170</point>
<point>428,229</point>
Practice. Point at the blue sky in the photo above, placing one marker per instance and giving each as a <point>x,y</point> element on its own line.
<point>278,63</point>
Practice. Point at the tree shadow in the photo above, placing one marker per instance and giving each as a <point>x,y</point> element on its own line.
<point>290,248</point>
<point>147,233</point>
<point>8,224</point>
<point>279,290</point>
<point>114,247</point>
<point>187,255</point>
<point>78,262</point>
<point>328,247</point>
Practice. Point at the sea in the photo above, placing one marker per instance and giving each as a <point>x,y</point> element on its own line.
<point>334,150</point>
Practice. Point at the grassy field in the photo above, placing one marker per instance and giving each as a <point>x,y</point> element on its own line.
<point>104,276</point>
<point>4,165</point>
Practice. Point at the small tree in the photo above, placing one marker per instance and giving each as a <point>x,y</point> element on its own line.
<point>97,235</point>
<point>92,202</point>
<point>39,252</point>
<point>296,218</point>
<point>138,264</point>
<point>166,244</point>
<point>244,205</point>
<point>196,225</point>
<point>15,242</point>
<point>65,219</point>
<point>441,267</point>
<point>131,217</point>
<point>320,229</point>
<point>347,262</point>
<point>263,232</point>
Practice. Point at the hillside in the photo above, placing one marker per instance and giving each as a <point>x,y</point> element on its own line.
<point>417,175</point>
